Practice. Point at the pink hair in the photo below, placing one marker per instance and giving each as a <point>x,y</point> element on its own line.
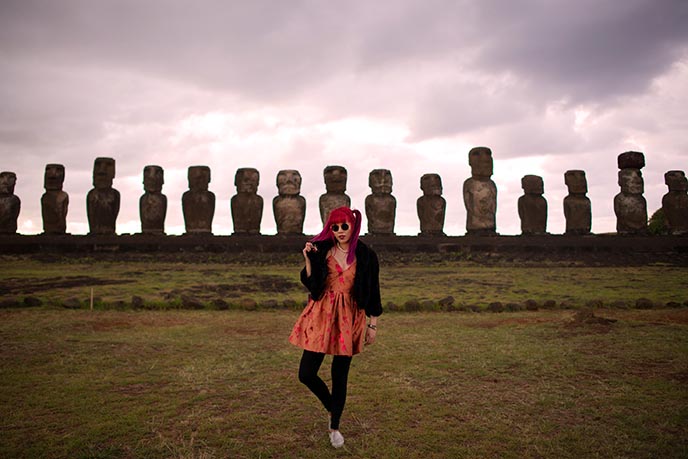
<point>340,215</point>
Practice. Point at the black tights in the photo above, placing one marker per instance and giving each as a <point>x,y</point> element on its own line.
<point>308,375</point>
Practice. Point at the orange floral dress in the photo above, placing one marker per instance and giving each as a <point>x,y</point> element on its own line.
<point>333,324</point>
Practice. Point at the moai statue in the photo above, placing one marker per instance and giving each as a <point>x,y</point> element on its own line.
<point>54,202</point>
<point>675,202</point>
<point>381,206</point>
<point>198,204</point>
<point>335,184</point>
<point>247,206</point>
<point>10,205</point>
<point>532,206</point>
<point>577,208</point>
<point>480,194</point>
<point>153,204</point>
<point>630,206</point>
<point>102,202</point>
<point>289,207</point>
<point>431,206</point>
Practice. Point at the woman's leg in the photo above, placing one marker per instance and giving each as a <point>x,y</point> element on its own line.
<point>308,375</point>
<point>340,376</point>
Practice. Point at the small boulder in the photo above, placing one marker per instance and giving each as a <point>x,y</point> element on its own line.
<point>644,303</point>
<point>446,301</point>
<point>32,301</point>
<point>136,302</point>
<point>189,302</point>
<point>530,305</point>
<point>412,305</point>
<point>219,303</point>
<point>71,303</point>
<point>495,307</point>
<point>248,304</point>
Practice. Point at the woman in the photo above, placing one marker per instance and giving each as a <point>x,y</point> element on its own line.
<point>341,274</point>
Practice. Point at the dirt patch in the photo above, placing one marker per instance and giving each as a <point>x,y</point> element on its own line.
<point>15,285</point>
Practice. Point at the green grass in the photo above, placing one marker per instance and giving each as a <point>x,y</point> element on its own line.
<point>270,281</point>
<point>218,384</point>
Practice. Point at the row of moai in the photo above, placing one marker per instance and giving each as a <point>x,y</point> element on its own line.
<point>289,207</point>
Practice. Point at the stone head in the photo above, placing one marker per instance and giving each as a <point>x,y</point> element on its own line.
<point>480,160</point>
<point>153,179</point>
<point>380,181</point>
<point>335,179</point>
<point>533,184</point>
<point>289,182</point>
<point>246,180</point>
<point>676,181</point>
<point>431,184</point>
<point>576,182</point>
<point>103,172</point>
<point>199,178</point>
<point>631,181</point>
<point>54,177</point>
<point>7,182</point>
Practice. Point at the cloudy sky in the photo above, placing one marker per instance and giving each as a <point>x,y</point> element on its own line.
<point>405,85</point>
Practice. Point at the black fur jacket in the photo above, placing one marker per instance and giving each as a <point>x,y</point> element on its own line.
<point>366,280</point>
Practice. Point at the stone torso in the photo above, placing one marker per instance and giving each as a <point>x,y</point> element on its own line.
<point>199,210</point>
<point>153,209</point>
<point>480,198</point>
<point>631,213</point>
<point>54,205</point>
<point>381,212</point>
<point>290,213</point>
<point>247,212</point>
<point>577,210</point>
<point>330,201</point>
<point>675,205</point>
<point>431,211</point>
<point>533,212</point>
<point>103,208</point>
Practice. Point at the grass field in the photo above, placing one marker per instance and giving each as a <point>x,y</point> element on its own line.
<point>266,283</point>
<point>222,384</point>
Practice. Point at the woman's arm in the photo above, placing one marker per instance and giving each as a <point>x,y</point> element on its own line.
<point>309,246</point>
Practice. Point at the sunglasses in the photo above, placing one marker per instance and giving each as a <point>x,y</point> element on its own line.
<point>335,227</point>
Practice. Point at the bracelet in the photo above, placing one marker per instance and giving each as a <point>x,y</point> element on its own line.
<point>374,327</point>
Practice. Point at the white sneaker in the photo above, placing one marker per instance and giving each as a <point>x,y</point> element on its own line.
<point>336,439</point>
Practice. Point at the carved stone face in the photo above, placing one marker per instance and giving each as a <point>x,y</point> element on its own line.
<point>7,182</point>
<point>431,184</point>
<point>676,181</point>
<point>631,181</point>
<point>153,178</point>
<point>103,172</point>
<point>54,177</point>
<point>480,160</point>
<point>246,180</point>
<point>335,179</point>
<point>289,182</point>
<point>380,181</point>
<point>576,182</point>
<point>532,184</point>
<point>199,178</point>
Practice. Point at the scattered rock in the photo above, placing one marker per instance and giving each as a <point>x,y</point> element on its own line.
<point>531,305</point>
<point>512,307</point>
<point>495,307</point>
<point>32,302</point>
<point>446,301</point>
<point>594,304</point>
<point>586,316</point>
<point>565,305</point>
<point>10,303</point>
<point>72,303</point>
<point>549,304</point>
<point>412,305</point>
<point>390,306</point>
<point>620,304</point>
<point>219,303</point>
<point>644,303</point>
<point>136,302</point>
<point>290,304</point>
<point>189,302</point>
<point>673,304</point>
<point>271,304</point>
<point>474,308</point>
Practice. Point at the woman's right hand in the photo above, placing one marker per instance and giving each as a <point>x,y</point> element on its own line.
<point>308,248</point>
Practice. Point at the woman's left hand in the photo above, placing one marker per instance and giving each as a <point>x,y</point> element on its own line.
<point>370,335</point>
